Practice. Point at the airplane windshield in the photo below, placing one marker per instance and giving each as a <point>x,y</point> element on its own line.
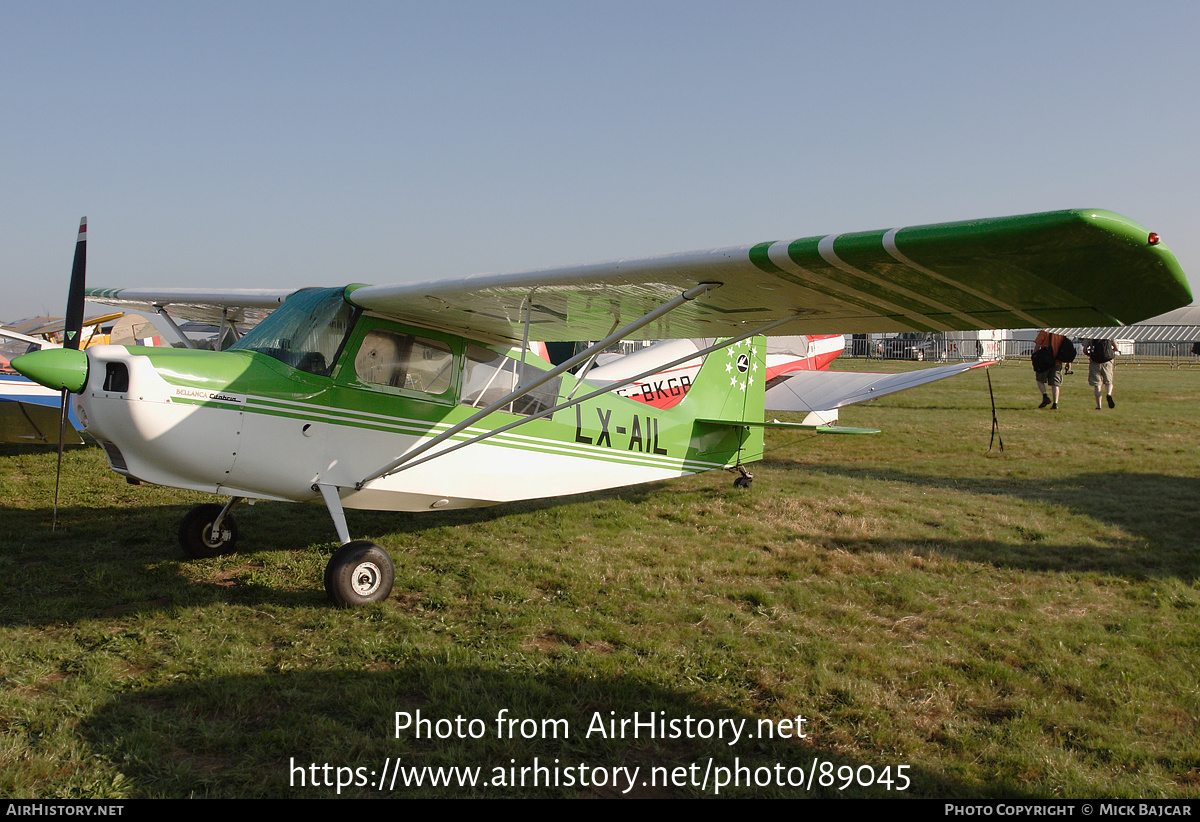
<point>306,332</point>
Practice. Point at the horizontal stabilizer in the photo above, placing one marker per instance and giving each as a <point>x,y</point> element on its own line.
<point>820,429</point>
<point>808,391</point>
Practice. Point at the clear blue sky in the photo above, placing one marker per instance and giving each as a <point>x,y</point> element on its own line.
<point>276,144</point>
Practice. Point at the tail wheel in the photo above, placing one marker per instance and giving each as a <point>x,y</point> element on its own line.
<point>744,479</point>
<point>359,573</point>
<point>195,532</point>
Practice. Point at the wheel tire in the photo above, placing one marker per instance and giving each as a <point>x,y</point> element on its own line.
<point>196,528</point>
<point>743,482</point>
<point>359,573</point>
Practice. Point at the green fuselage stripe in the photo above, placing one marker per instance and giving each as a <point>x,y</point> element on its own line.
<point>419,428</point>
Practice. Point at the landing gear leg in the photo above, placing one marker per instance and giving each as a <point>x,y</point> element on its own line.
<point>745,478</point>
<point>209,530</point>
<point>360,572</point>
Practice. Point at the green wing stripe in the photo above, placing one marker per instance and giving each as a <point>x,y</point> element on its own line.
<point>910,293</point>
<point>982,301</point>
<point>1088,265</point>
<point>806,255</point>
<point>760,257</point>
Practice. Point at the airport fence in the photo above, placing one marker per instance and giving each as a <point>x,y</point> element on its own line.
<point>1144,353</point>
<point>1016,352</point>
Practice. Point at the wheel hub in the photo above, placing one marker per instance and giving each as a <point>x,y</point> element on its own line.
<point>366,579</point>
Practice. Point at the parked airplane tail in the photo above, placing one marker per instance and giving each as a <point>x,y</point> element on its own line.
<point>726,402</point>
<point>667,388</point>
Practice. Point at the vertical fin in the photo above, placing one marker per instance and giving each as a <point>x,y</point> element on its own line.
<point>730,388</point>
<point>731,384</point>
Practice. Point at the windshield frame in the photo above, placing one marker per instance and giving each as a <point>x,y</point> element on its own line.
<point>304,333</point>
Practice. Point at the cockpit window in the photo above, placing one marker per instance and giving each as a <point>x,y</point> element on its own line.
<point>490,376</point>
<point>306,332</point>
<point>400,360</point>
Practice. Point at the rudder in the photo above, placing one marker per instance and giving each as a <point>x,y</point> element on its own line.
<point>729,389</point>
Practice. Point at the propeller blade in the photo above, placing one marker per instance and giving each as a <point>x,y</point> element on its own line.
<point>72,331</point>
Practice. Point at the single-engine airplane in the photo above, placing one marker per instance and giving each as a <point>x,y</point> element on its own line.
<point>425,395</point>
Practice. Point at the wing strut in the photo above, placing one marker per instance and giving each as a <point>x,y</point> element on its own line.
<point>528,309</point>
<point>605,390</point>
<point>162,312</point>
<point>227,325</point>
<point>583,372</point>
<point>545,377</point>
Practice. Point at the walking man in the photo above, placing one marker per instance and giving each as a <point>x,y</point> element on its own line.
<point>1100,369</point>
<point>1047,369</point>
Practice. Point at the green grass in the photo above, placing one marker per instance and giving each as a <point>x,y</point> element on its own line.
<point>1004,624</point>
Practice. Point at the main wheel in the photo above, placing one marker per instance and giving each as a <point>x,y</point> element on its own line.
<point>195,532</point>
<point>358,573</point>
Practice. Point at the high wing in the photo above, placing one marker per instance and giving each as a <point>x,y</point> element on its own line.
<point>1081,267</point>
<point>243,306</point>
<point>1077,267</point>
<point>809,391</point>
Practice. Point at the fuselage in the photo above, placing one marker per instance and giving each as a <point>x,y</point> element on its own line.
<point>274,418</point>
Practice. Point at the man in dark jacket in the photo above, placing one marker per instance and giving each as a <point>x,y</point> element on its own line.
<point>1047,370</point>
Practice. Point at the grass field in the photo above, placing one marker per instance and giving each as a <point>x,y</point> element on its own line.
<point>947,619</point>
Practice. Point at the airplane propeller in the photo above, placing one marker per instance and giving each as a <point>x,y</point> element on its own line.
<point>72,331</point>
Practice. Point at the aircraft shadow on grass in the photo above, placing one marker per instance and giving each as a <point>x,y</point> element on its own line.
<point>83,568</point>
<point>1156,511</point>
<point>257,736</point>
<point>126,559</point>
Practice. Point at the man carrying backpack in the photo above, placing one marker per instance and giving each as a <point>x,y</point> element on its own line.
<point>1100,369</point>
<point>1050,351</point>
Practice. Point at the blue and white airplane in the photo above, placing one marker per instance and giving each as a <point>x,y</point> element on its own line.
<point>28,411</point>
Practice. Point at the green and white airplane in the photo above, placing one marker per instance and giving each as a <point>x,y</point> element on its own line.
<point>425,395</point>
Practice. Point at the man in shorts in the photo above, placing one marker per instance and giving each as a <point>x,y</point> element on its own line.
<point>1100,369</point>
<point>1050,374</point>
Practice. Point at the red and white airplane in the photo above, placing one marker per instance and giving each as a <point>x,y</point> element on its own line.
<point>797,376</point>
